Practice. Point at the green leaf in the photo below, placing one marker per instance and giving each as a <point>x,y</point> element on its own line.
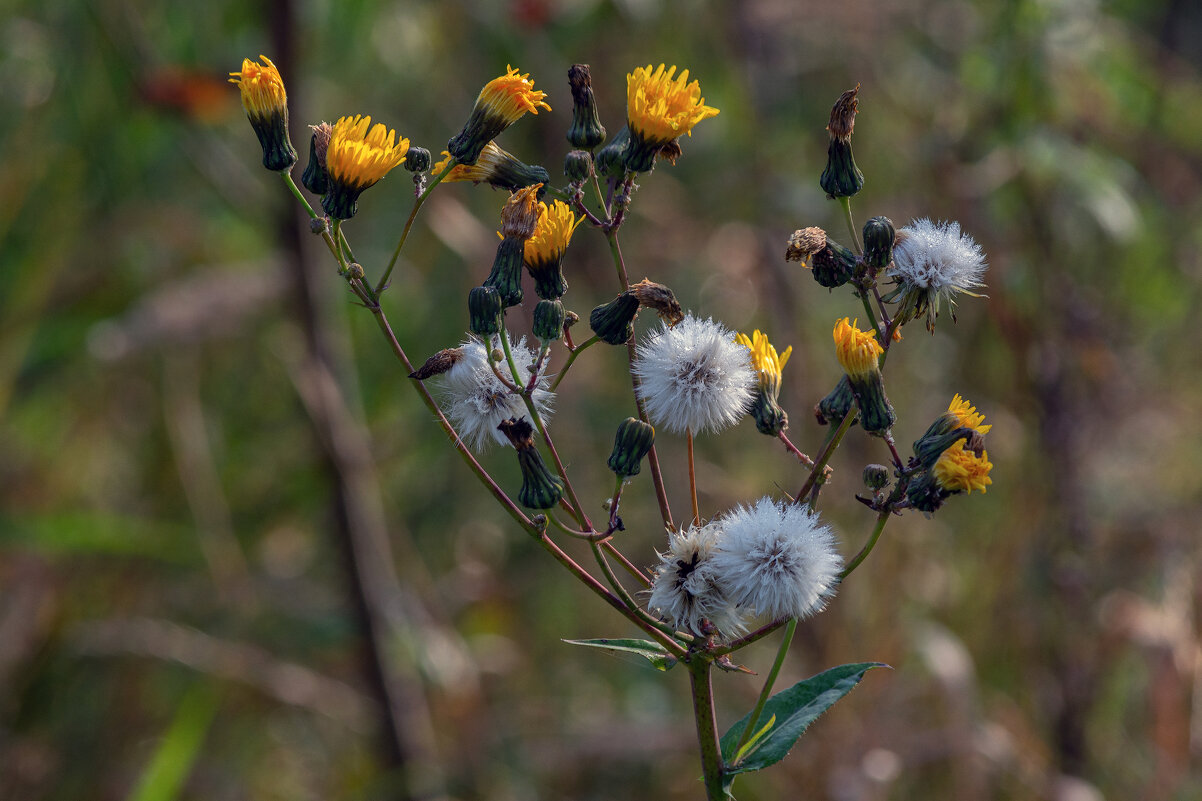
<point>791,711</point>
<point>750,745</point>
<point>653,653</point>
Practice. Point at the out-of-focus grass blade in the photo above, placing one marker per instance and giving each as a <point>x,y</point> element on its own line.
<point>177,753</point>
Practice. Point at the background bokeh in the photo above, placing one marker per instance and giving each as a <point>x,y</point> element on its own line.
<point>200,434</point>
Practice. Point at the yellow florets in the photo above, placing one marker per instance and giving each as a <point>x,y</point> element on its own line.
<point>262,88</point>
<point>961,470</point>
<point>967,415</point>
<point>552,233</point>
<point>858,351</point>
<point>357,157</point>
<point>510,96</point>
<point>661,108</point>
<point>765,360</point>
<point>484,168</point>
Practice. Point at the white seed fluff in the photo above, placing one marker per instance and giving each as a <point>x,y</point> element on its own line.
<point>686,590</point>
<point>477,402</point>
<point>694,376</point>
<point>938,257</point>
<point>777,560</point>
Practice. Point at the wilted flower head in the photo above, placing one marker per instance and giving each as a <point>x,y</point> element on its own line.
<point>686,589</point>
<point>266,105</point>
<point>967,415</point>
<point>660,108</point>
<point>496,167</point>
<point>356,159</point>
<point>694,376</point>
<point>932,263</point>
<point>476,400</point>
<point>501,103</point>
<point>777,559</point>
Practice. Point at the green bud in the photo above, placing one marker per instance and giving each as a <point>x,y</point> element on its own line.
<point>540,489</point>
<point>770,418</point>
<point>631,443</point>
<point>876,476</point>
<point>833,265</point>
<point>485,311</point>
<point>587,131</point>
<point>611,159</point>
<point>613,322</point>
<point>417,159</point>
<point>925,495</point>
<point>841,178</point>
<point>876,413</point>
<point>835,406</point>
<point>314,178</point>
<point>878,242</point>
<point>506,273</point>
<point>577,166</point>
<point>549,316</point>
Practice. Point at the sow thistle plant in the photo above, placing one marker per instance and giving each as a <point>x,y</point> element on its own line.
<point>724,580</point>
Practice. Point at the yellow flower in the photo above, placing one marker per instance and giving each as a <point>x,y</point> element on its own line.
<point>266,105</point>
<point>967,415</point>
<point>495,167</point>
<point>661,108</point>
<point>765,360</point>
<point>961,470</point>
<point>356,159</point>
<point>858,351</point>
<point>501,103</point>
<point>262,88</point>
<point>552,233</point>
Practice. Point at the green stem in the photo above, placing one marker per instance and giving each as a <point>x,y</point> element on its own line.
<point>881,520</point>
<point>619,262</point>
<point>657,476</point>
<point>707,728</point>
<point>845,202</point>
<point>292,187</point>
<point>693,478</point>
<point>820,463</point>
<point>766,690</point>
<point>876,329</point>
<point>417,205</point>
<point>622,592</point>
<point>571,358</point>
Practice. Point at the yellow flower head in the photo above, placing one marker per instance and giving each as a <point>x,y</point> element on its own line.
<point>961,470</point>
<point>967,415</point>
<point>858,351</point>
<point>552,233</point>
<point>266,105</point>
<point>765,360</point>
<point>660,108</point>
<point>356,159</point>
<point>501,103</point>
<point>262,88</point>
<point>495,167</point>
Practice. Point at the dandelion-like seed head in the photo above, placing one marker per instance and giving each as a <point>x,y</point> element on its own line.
<point>262,88</point>
<point>686,589</point>
<point>967,415</point>
<point>476,400</point>
<point>694,377</point>
<point>777,559</point>
<point>959,469</point>
<point>933,263</point>
<point>765,360</point>
<point>858,351</point>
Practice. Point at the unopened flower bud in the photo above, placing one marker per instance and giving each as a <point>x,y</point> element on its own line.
<point>319,225</point>
<point>577,166</point>
<point>587,131</point>
<point>315,178</point>
<point>836,405</point>
<point>613,322</point>
<point>417,159</point>
<point>878,242</point>
<point>876,476</point>
<point>540,489</point>
<point>611,159</point>
<point>549,316</point>
<point>842,178</point>
<point>355,270</point>
<point>438,364</point>
<point>485,309</point>
<point>632,441</point>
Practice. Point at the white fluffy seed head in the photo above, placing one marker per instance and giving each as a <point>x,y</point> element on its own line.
<point>477,402</point>
<point>777,560</point>
<point>686,590</point>
<point>938,257</point>
<point>694,376</point>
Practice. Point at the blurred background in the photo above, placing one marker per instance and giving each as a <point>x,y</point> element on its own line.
<point>238,561</point>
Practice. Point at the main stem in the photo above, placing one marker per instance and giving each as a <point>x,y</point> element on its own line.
<point>707,728</point>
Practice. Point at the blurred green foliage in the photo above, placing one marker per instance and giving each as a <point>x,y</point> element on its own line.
<point>176,619</point>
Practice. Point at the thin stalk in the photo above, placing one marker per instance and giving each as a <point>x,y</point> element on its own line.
<point>693,478</point>
<point>827,452</point>
<point>625,595</point>
<point>793,449</point>
<point>766,690</point>
<point>881,520</point>
<point>747,639</point>
<point>619,262</point>
<point>876,329</point>
<point>657,476</point>
<point>707,728</point>
<point>417,205</point>
<point>571,358</point>
<point>845,202</point>
<point>295,190</point>
<point>600,194</point>
<point>631,568</point>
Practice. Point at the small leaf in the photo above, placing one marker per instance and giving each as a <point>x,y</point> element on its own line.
<point>755,738</point>
<point>792,711</point>
<point>653,653</point>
